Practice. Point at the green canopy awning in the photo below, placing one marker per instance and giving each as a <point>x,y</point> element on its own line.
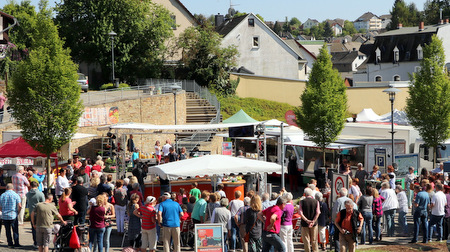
<point>240,117</point>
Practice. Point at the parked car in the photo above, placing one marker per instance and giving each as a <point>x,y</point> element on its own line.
<point>83,81</point>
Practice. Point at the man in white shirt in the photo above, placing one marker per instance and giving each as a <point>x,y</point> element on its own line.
<point>166,151</point>
<point>438,203</point>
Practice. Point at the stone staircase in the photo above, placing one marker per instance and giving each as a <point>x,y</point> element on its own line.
<point>198,111</point>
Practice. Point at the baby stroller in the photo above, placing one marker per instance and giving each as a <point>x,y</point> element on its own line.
<point>63,234</point>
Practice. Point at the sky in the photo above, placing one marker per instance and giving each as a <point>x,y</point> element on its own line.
<point>278,10</point>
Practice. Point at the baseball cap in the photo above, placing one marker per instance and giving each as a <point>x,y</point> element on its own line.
<point>166,194</point>
<point>150,199</point>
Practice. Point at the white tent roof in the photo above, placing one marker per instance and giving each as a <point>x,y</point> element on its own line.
<point>365,115</point>
<point>331,146</point>
<point>400,117</point>
<point>149,127</point>
<point>212,165</point>
<point>275,123</point>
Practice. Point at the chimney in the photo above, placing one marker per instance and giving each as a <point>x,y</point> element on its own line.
<point>421,26</point>
<point>399,26</point>
<point>219,19</point>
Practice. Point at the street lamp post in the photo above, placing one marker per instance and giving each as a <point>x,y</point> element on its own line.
<point>175,89</point>
<point>112,34</point>
<point>391,92</point>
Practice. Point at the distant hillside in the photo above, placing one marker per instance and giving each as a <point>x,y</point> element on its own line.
<point>258,109</point>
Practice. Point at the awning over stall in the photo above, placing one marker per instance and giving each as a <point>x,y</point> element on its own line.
<point>212,165</point>
<point>18,147</point>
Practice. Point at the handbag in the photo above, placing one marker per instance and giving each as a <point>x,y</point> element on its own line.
<point>74,242</point>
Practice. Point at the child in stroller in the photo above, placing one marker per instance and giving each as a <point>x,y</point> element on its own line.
<point>62,237</point>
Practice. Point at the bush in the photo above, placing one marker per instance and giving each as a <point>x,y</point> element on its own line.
<point>258,109</point>
<point>111,86</point>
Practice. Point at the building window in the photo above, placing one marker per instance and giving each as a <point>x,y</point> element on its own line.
<point>396,55</point>
<point>378,78</point>
<point>378,55</point>
<point>255,42</point>
<point>419,52</point>
<point>251,22</point>
<point>174,22</point>
<point>397,78</point>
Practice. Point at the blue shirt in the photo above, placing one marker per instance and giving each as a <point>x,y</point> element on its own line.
<point>170,213</point>
<point>40,178</point>
<point>9,202</point>
<point>199,209</point>
<point>423,199</point>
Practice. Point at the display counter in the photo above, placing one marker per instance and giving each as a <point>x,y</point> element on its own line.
<point>154,189</point>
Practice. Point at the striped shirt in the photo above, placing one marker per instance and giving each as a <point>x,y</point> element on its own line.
<point>148,217</point>
<point>20,184</point>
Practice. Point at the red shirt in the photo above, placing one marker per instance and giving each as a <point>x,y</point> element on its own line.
<point>64,207</point>
<point>148,217</point>
<point>97,168</point>
<point>87,169</point>
<point>268,212</point>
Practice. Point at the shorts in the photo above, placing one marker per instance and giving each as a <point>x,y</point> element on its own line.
<point>43,235</point>
<point>149,239</point>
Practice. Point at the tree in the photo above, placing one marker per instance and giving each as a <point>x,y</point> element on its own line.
<point>277,28</point>
<point>324,102</point>
<point>327,31</point>
<point>407,15</point>
<point>142,29</point>
<point>349,28</point>
<point>286,26</point>
<point>204,60</point>
<point>44,94</point>
<point>26,15</point>
<point>432,8</point>
<point>295,22</point>
<point>428,104</point>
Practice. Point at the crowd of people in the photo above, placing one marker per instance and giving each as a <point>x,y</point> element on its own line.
<point>250,222</point>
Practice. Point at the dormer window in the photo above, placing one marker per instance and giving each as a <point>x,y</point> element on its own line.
<point>396,55</point>
<point>419,53</point>
<point>397,78</point>
<point>378,78</point>
<point>378,55</point>
<point>251,22</point>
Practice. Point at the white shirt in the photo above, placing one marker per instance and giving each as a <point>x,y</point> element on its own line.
<point>61,183</point>
<point>440,201</point>
<point>165,149</point>
<point>402,202</point>
<point>392,180</point>
<point>355,191</point>
<point>157,150</point>
<point>437,170</point>
<point>235,205</point>
<point>390,201</point>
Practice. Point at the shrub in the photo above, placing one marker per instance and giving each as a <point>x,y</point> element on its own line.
<point>111,86</point>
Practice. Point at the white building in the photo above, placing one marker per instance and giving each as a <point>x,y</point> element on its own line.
<point>261,51</point>
<point>368,21</point>
<point>308,24</point>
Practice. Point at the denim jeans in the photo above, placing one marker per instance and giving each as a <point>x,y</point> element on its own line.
<point>390,221</point>
<point>14,225</point>
<point>96,236</point>
<point>378,227</point>
<point>33,233</point>
<point>435,220</point>
<point>270,240</point>
<point>420,217</point>
<point>80,218</point>
<point>368,218</point>
<point>106,238</point>
<point>402,222</point>
<point>234,235</point>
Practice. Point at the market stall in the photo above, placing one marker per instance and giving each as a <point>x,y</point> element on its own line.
<point>19,152</point>
<point>183,172</point>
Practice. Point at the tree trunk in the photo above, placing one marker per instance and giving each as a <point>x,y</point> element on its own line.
<point>434,157</point>
<point>49,170</point>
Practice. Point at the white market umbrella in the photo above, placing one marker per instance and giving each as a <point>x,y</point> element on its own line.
<point>213,165</point>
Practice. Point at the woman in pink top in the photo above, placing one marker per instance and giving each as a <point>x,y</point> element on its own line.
<point>66,205</point>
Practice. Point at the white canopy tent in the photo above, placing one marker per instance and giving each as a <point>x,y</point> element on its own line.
<point>134,127</point>
<point>212,165</point>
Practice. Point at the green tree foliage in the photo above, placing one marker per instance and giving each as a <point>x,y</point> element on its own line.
<point>26,15</point>
<point>277,28</point>
<point>286,26</point>
<point>142,29</point>
<point>349,28</point>
<point>204,59</point>
<point>432,8</point>
<point>324,102</point>
<point>428,104</point>
<point>295,22</point>
<point>327,31</point>
<point>404,14</point>
<point>44,94</point>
